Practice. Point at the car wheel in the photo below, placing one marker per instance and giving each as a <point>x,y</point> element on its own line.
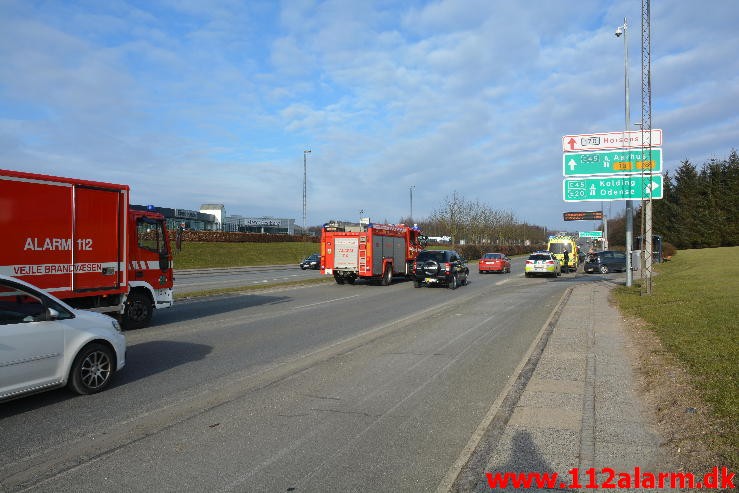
<point>92,369</point>
<point>604,269</point>
<point>302,267</point>
<point>137,311</point>
<point>453,282</point>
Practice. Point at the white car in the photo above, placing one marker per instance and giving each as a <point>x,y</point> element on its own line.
<point>45,343</point>
<point>542,263</point>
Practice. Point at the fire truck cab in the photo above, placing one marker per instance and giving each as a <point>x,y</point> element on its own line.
<point>375,252</point>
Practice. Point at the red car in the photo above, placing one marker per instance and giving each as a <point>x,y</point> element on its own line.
<point>494,262</point>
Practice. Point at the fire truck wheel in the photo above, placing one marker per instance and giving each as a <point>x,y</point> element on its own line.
<point>351,279</point>
<point>92,369</point>
<point>138,311</point>
<point>339,279</point>
<point>453,282</point>
<point>387,276</point>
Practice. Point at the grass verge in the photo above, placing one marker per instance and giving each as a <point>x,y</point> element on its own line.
<point>693,310</point>
<point>197,255</point>
<point>253,287</point>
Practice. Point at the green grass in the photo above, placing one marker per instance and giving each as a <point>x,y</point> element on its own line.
<point>198,255</point>
<point>694,310</point>
<point>258,287</point>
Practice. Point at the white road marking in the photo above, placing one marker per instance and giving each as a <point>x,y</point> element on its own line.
<point>327,301</point>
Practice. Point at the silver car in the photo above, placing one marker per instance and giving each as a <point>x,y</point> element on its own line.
<point>48,344</point>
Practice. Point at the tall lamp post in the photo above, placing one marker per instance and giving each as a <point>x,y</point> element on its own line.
<point>305,181</point>
<point>412,187</point>
<point>623,30</point>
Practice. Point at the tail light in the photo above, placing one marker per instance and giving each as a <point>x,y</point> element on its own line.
<point>448,267</point>
<point>529,261</point>
<point>550,262</point>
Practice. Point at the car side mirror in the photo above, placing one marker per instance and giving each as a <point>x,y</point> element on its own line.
<point>163,261</point>
<point>51,314</point>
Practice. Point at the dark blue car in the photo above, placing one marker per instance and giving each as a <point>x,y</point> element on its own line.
<point>605,262</point>
<point>311,262</point>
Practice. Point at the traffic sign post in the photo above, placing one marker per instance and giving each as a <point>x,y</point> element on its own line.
<point>610,140</point>
<point>590,234</point>
<point>625,162</point>
<point>610,188</point>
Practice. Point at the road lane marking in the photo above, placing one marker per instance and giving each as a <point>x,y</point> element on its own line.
<point>327,301</point>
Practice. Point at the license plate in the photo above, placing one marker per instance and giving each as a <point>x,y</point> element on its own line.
<point>430,279</point>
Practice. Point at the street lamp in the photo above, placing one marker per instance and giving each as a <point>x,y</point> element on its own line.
<point>412,187</point>
<point>305,180</point>
<point>623,30</point>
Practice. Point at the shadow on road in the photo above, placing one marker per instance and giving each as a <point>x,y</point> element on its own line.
<point>525,457</point>
<point>142,360</point>
<point>205,307</point>
<point>149,358</point>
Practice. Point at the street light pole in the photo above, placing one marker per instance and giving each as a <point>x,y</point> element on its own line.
<point>623,30</point>
<point>412,187</point>
<point>305,186</point>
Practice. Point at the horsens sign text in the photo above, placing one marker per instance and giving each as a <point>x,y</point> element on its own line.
<point>611,140</point>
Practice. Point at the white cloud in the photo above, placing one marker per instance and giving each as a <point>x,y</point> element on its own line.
<point>217,100</point>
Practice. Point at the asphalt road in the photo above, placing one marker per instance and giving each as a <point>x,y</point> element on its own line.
<point>314,388</point>
<point>194,280</point>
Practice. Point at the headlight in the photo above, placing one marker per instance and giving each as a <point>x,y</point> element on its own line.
<point>116,325</point>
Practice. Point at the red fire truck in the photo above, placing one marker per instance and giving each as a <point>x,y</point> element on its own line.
<point>79,240</point>
<point>375,252</point>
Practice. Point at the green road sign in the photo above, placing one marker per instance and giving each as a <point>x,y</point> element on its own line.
<point>607,188</point>
<point>591,234</point>
<point>625,162</point>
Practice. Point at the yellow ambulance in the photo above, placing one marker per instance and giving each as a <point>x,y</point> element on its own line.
<point>558,244</point>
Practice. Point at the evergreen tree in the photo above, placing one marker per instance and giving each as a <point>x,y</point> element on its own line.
<point>664,212</point>
<point>687,200</point>
<point>730,201</point>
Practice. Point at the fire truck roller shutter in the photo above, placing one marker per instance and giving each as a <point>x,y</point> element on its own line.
<point>399,249</point>
<point>378,253</point>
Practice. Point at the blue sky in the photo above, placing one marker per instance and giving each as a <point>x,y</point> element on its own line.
<point>194,101</point>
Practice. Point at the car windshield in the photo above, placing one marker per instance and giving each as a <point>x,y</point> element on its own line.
<point>557,247</point>
<point>492,256</point>
<point>539,256</point>
<point>431,255</point>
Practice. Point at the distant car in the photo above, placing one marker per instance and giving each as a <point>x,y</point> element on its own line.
<point>440,267</point>
<point>542,263</point>
<point>494,262</point>
<point>312,261</point>
<point>45,344</point>
<point>605,262</point>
